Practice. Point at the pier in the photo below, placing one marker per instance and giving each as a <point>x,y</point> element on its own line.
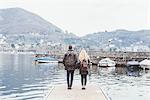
<point>119,57</point>
<point>92,92</point>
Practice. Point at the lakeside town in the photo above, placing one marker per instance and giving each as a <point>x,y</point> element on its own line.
<point>24,47</point>
<point>92,50</point>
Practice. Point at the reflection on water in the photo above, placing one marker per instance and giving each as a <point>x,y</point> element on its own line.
<point>21,79</point>
<point>123,84</point>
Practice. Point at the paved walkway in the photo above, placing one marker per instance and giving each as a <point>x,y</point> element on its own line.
<point>91,92</point>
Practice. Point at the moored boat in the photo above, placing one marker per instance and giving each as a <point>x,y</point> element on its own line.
<point>106,62</point>
<point>46,59</point>
<point>133,65</point>
<point>145,64</point>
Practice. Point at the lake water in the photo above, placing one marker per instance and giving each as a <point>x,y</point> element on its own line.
<point>21,79</point>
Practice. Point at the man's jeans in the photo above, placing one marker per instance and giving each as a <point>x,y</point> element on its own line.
<point>70,81</point>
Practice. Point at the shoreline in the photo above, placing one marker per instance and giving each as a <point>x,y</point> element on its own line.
<point>17,53</point>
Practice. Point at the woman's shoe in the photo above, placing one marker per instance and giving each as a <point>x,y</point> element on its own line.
<point>83,88</point>
<point>69,88</point>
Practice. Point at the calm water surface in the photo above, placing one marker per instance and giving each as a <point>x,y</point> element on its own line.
<point>21,79</point>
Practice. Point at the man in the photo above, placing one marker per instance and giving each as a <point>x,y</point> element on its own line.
<point>69,61</point>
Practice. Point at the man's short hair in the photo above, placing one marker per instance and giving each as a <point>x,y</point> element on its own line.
<point>70,47</point>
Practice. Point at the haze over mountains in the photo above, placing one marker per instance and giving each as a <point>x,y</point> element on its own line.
<point>17,22</point>
<point>19,25</point>
<point>120,38</point>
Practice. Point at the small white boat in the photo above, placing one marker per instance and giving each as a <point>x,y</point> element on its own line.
<point>133,63</point>
<point>106,62</point>
<point>46,60</point>
<point>145,64</point>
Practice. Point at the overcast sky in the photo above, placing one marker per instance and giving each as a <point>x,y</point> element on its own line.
<point>87,16</point>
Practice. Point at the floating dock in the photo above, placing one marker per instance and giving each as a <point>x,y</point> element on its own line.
<point>60,92</point>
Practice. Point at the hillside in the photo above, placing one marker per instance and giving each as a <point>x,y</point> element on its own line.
<point>18,25</point>
<point>119,38</point>
<point>23,27</point>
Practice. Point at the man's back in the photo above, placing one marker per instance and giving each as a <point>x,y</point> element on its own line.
<point>70,60</point>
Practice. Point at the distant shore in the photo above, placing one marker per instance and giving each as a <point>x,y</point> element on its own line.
<point>1,52</point>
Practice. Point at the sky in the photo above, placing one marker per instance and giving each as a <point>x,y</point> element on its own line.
<point>82,17</point>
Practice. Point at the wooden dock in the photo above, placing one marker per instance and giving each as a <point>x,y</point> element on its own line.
<point>60,92</point>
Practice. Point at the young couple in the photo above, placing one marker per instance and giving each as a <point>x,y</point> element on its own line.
<point>71,61</point>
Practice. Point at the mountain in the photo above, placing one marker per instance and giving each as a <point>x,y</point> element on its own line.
<point>14,20</point>
<point>118,38</point>
<point>18,24</point>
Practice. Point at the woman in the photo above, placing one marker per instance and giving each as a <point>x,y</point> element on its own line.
<point>84,66</point>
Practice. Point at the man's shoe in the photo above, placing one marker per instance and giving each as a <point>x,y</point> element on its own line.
<point>83,88</point>
<point>69,88</point>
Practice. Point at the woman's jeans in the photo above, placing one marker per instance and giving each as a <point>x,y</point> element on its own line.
<point>83,80</point>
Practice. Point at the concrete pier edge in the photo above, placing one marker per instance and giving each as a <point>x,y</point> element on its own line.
<point>95,85</point>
